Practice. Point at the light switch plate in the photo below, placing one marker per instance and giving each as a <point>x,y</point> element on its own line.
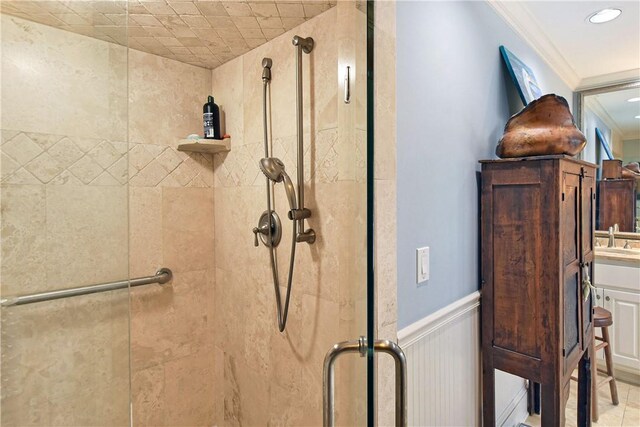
<point>422,264</point>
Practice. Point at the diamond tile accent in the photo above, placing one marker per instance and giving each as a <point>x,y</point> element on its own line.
<point>22,149</point>
<point>65,160</point>
<point>105,154</point>
<point>44,167</point>
<point>153,26</point>
<point>66,152</point>
<point>86,169</point>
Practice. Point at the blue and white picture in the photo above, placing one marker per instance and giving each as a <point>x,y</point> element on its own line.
<point>604,144</point>
<point>522,76</point>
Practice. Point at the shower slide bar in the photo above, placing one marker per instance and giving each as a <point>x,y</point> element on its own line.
<point>161,277</point>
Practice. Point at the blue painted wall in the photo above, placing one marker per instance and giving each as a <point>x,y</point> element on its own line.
<point>453,99</point>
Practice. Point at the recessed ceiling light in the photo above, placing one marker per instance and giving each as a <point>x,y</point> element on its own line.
<point>605,15</point>
<point>633,99</point>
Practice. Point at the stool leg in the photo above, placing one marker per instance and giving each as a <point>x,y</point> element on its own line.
<point>607,355</point>
<point>594,379</point>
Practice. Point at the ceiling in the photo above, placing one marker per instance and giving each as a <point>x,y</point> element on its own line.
<point>202,33</point>
<point>583,54</point>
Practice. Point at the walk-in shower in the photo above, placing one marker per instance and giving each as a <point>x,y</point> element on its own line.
<point>98,204</point>
<point>269,224</point>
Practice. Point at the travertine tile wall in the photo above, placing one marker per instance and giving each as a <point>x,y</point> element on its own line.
<point>63,224</point>
<point>171,214</point>
<point>271,377</point>
<point>94,190</point>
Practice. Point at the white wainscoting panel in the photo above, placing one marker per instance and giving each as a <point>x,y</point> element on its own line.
<point>443,361</point>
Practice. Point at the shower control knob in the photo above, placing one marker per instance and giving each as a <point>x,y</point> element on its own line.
<point>256,230</point>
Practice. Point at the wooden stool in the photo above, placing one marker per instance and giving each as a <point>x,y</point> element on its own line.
<point>601,319</point>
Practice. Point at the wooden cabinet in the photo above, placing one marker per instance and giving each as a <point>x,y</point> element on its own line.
<point>617,204</point>
<point>537,221</point>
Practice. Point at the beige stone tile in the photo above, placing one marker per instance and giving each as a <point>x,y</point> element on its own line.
<point>89,95</point>
<point>87,382</point>
<point>23,232</point>
<point>187,228</point>
<point>150,80</point>
<point>631,415</point>
<point>172,321</point>
<point>290,10</point>
<point>237,8</point>
<point>633,394</point>
<point>87,235</point>
<point>148,396</point>
<point>21,149</point>
<point>145,238</point>
<point>189,389</point>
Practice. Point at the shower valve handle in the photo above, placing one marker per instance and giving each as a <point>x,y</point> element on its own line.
<point>262,230</point>
<point>256,230</point>
<point>255,235</point>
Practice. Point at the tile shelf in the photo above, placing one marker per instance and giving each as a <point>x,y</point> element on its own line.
<point>205,146</point>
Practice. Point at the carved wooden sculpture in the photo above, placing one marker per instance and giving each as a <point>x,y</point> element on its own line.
<point>631,171</point>
<point>543,127</point>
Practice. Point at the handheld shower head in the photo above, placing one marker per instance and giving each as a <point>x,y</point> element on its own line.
<point>273,168</point>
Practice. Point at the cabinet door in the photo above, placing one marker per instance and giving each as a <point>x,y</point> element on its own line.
<point>571,257</point>
<point>587,229</point>
<point>625,332</point>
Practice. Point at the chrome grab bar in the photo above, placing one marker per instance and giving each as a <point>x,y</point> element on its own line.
<point>161,277</point>
<point>360,346</point>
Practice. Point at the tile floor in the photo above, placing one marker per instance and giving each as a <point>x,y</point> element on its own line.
<point>627,413</point>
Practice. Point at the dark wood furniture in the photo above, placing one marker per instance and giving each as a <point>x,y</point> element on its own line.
<point>612,169</point>
<point>537,227</point>
<point>617,204</point>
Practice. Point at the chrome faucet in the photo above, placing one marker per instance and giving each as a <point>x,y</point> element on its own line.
<point>612,238</point>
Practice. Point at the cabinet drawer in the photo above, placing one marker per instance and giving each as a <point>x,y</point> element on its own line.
<point>616,274</point>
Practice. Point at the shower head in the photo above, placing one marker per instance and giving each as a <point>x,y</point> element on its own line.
<point>273,168</point>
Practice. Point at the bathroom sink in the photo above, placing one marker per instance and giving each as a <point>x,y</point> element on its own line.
<point>619,251</point>
<point>619,254</point>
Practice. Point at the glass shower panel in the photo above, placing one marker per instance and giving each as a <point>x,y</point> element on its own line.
<point>64,214</point>
<point>97,97</point>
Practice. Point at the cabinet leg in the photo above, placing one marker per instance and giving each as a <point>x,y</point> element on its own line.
<point>585,388</point>
<point>594,379</point>
<point>552,406</point>
<point>488,395</point>
<point>607,355</point>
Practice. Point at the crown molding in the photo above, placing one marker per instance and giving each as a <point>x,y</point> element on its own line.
<point>619,77</point>
<point>522,21</point>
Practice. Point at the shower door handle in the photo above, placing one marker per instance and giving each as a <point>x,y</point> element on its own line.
<point>360,346</point>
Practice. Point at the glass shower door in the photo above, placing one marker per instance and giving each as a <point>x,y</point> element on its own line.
<point>97,99</point>
<point>64,220</point>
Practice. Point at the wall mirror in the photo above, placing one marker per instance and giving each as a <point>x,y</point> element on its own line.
<point>609,116</point>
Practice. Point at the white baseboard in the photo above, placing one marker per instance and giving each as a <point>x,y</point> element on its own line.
<point>516,411</point>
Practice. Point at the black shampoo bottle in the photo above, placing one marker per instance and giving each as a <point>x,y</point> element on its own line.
<point>211,120</point>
